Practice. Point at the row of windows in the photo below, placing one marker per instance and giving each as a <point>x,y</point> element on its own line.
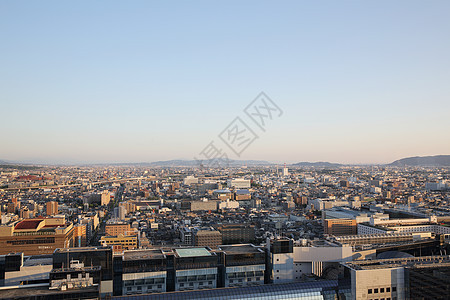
<point>49,240</point>
<point>196,278</point>
<point>191,284</point>
<point>248,280</point>
<point>382,290</point>
<point>122,241</point>
<point>245,274</point>
<point>142,281</point>
<point>149,289</point>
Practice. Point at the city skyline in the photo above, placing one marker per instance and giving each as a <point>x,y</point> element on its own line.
<point>108,82</point>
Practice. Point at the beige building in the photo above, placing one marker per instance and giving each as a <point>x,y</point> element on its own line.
<point>339,226</point>
<point>126,241</point>
<point>36,236</point>
<point>51,208</point>
<point>207,238</point>
<point>114,229</point>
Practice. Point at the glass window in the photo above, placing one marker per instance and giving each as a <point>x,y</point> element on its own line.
<point>369,291</point>
<point>382,290</point>
<point>375,291</point>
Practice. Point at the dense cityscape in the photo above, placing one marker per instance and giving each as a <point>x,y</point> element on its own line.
<point>345,232</point>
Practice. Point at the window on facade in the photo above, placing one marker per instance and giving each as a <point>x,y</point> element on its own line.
<point>394,288</point>
<point>375,291</point>
<point>369,291</point>
<point>388,289</point>
<point>381,290</point>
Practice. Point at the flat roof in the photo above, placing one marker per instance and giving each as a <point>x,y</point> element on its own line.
<point>42,291</point>
<point>192,252</point>
<point>399,262</point>
<point>143,254</point>
<point>244,248</point>
<point>82,249</point>
<point>222,191</point>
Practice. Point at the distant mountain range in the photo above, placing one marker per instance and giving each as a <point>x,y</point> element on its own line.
<point>318,164</point>
<point>423,161</point>
<point>432,161</point>
<point>192,163</point>
<point>188,163</point>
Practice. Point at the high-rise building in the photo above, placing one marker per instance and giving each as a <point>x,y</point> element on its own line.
<point>207,238</point>
<point>285,171</point>
<point>116,228</point>
<point>340,226</point>
<point>105,198</point>
<point>237,233</point>
<point>89,256</point>
<point>51,208</point>
<point>399,278</point>
<point>281,259</point>
<point>120,212</point>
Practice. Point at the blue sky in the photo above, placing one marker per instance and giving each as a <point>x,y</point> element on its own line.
<point>116,81</point>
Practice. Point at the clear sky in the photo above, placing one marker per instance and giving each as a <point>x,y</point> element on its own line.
<point>133,81</point>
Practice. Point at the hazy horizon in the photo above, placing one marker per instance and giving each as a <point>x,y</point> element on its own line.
<point>109,82</point>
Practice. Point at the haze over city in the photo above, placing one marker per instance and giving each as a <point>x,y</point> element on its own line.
<point>118,82</point>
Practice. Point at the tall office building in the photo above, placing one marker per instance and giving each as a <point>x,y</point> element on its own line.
<point>237,233</point>
<point>339,227</point>
<point>285,171</point>
<point>51,208</point>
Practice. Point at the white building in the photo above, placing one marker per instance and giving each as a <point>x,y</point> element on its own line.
<point>229,204</point>
<point>238,183</point>
<point>312,257</point>
<point>190,180</point>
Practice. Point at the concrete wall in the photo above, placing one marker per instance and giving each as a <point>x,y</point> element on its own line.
<point>376,280</point>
